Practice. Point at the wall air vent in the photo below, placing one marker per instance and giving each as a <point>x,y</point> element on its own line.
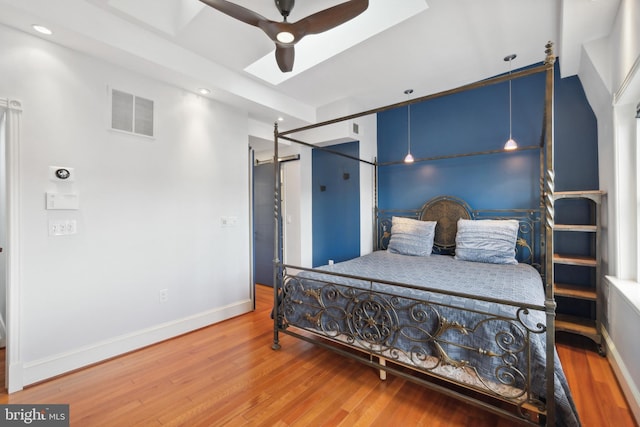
<point>131,113</point>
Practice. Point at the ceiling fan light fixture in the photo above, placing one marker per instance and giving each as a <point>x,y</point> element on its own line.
<point>286,34</point>
<point>285,37</point>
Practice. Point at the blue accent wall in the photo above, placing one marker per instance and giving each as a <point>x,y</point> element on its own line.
<point>478,120</point>
<point>336,204</point>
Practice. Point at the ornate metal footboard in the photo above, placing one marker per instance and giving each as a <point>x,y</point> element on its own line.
<point>491,346</point>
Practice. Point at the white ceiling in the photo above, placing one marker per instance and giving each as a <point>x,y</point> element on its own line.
<point>427,45</point>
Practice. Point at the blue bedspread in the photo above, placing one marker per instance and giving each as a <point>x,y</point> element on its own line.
<point>309,304</point>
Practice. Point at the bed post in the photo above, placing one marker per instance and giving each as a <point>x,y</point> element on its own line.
<point>277,245</point>
<point>550,303</point>
<point>376,218</point>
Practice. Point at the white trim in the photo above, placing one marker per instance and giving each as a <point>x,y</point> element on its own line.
<point>58,364</point>
<point>627,385</point>
<point>628,289</point>
<point>630,86</point>
<point>13,379</point>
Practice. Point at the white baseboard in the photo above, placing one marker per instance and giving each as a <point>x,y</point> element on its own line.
<point>629,388</point>
<point>52,366</point>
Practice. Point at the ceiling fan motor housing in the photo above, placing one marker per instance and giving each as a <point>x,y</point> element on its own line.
<point>285,7</point>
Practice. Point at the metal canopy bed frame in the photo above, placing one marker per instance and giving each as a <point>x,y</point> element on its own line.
<point>333,309</point>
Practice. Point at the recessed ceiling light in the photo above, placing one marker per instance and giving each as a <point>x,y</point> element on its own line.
<point>204,91</point>
<point>42,30</point>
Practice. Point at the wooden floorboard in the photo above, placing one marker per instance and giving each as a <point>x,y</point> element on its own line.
<point>228,375</point>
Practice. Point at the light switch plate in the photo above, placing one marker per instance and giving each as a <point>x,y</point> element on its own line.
<point>63,227</point>
<point>228,221</point>
<point>62,201</point>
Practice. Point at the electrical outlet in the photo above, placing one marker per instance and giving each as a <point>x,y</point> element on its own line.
<point>54,228</point>
<point>163,295</point>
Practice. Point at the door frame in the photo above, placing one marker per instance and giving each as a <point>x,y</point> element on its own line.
<point>256,162</point>
<point>13,374</point>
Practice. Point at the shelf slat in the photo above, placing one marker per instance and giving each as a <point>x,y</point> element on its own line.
<point>595,195</point>
<point>576,227</point>
<point>577,325</point>
<point>575,260</point>
<point>575,291</point>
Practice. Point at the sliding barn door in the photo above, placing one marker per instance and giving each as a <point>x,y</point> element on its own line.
<point>263,228</point>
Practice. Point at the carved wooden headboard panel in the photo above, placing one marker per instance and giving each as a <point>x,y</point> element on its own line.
<point>446,210</point>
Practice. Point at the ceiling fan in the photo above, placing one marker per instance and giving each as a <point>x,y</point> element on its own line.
<point>286,34</point>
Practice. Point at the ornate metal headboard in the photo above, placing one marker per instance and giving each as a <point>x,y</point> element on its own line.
<point>447,210</point>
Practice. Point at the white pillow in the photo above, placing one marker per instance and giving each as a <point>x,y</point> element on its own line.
<point>411,236</point>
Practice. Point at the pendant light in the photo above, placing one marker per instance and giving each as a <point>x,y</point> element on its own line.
<point>511,144</point>
<point>408,158</point>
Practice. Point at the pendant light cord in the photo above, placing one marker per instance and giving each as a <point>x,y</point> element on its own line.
<point>409,126</point>
<point>511,144</point>
<point>409,156</point>
<point>510,118</point>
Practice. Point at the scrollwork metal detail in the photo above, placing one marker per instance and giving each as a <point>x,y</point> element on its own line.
<point>373,320</point>
<point>423,335</point>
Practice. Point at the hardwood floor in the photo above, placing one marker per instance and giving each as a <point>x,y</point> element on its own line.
<point>227,375</point>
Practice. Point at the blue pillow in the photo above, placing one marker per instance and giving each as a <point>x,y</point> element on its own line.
<point>490,241</point>
<point>411,236</point>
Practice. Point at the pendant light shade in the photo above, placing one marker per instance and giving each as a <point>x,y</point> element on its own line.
<point>511,143</point>
<point>408,158</point>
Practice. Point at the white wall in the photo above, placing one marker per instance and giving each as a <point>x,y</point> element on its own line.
<point>149,216</point>
<point>368,151</point>
<point>609,73</point>
<point>605,72</point>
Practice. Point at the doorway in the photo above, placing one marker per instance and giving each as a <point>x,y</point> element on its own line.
<point>263,223</point>
<point>263,217</point>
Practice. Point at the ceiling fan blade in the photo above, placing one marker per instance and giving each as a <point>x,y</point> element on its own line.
<point>284,57</point>
<point>331,17</point>
<point>235,11</point>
